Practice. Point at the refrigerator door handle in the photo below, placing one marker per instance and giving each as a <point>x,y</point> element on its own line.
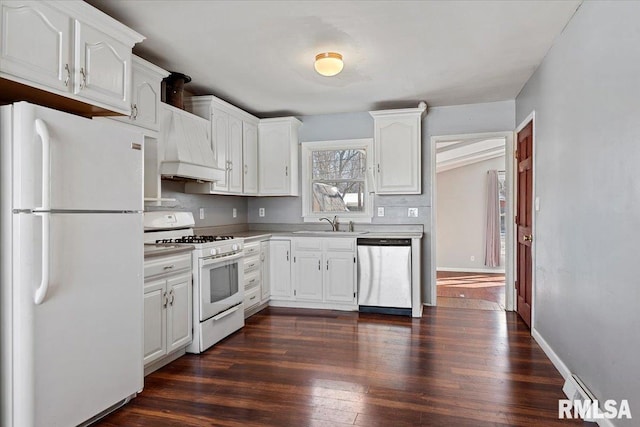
<point>43,133</point>
<point>41,292</point>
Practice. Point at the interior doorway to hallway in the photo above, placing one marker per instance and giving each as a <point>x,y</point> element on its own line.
<point>472,238</point>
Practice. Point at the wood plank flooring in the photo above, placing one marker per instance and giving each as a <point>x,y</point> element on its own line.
<point>483,291</point>
<point>293,367</point>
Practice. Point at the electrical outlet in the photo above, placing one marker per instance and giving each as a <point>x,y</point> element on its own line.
<point>201,213</point>
<point>413,212</point>
<point>261,212</point>
<point>235,212</point>
<point>381,211</point>
<point>473,258</point>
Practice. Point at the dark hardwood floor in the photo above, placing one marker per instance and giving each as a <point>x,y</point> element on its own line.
<point>484,291</point>
<point>293,367</point>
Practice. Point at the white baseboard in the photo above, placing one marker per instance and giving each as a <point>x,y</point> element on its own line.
<point>470,270</point>
<point>561,367</point>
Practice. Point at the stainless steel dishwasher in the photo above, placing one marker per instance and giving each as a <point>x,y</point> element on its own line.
<point>384,275</point>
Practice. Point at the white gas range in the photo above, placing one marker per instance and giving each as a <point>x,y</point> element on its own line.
<point>218,294</point>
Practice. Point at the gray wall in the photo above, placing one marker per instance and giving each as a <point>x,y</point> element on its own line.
<point>489,117</point>
<point>462,214</point>
<point>218,210</point>
<point>587,146</point>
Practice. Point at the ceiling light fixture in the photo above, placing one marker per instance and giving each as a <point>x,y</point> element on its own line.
<point>328,63</point>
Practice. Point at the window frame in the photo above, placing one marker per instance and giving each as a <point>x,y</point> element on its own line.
<point>307,148</point>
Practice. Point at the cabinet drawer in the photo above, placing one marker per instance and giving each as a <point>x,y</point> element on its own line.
<point>169,264</point>
<point>307,244</point>
<point>252,279</point>
<point>251,249</point>
<point>340,244</point>
<point>251,263</point>
<point>251,298</point>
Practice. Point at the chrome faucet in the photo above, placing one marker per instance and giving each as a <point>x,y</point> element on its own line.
<point>334,224</point>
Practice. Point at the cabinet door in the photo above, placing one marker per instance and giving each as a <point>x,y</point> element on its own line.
<point>219,143</point>
<point>35,44</point>
<point>179,318</point>
<point>155,327</point>
<point>102,69</point>
<point>236,169</point>
<point>250,158</point>
<point>280,269</point>
<point>145,99</point>
<point>340,276</point>
<point>307,276</point>
<point>274,154</point>
<point>397,146</point>
<point>265,258</point>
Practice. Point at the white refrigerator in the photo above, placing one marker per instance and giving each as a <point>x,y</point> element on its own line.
<point>71,266</point>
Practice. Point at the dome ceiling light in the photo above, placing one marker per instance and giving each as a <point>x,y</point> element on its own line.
<point>328,63</point>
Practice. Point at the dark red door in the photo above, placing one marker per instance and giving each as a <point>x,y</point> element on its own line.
<point>524,214</point>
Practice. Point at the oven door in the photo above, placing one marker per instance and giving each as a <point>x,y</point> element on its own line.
<point>220,284</point>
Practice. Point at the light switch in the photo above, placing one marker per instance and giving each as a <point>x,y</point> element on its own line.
<point>381,211</point>
<point>201,213</point>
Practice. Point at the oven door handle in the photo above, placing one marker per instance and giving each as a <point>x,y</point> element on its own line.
<point>209,261</point>
<point>228,312</point>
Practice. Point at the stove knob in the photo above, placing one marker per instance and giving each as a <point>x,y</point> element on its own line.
<point>214,251</point>
<point>235,247</point>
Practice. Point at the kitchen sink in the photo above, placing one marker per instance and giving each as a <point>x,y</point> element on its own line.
<point>330,232</point>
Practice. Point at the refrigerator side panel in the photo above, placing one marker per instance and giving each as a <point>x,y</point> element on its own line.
<point>80,350</point>
<point>93,165</point>
<point>6,311</point>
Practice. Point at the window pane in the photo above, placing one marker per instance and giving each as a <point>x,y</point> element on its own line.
<point>328,165</point>
<point>338,196</point>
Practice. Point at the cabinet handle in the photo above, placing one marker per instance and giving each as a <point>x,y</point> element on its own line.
<point>135,111</point>
<point>246,169</point>
<point>230,165</point>
<point>319,265</point>
<point>378,167</point>
<point>252,265</point>
<point>327,265</point>
<point>252,280</point>
<point>286,171</point>
<point>83,82</point>
<point>169,267</point>
<point>166,299</point>
<point>252,298</point>
<point>287,255</point>
<point>172,297</point>
<point>68,78</point>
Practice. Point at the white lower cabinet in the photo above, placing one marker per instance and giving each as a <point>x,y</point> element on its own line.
<point>167,307</point>
<point>323,271</point>
<point>256,277</point>
<point>280,269</point>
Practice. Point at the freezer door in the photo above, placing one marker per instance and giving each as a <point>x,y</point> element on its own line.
<point>80,350</point>
<point>77,163</point>
<point>384,276</point>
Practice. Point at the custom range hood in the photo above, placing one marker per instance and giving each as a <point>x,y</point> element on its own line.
<point>187,151</point>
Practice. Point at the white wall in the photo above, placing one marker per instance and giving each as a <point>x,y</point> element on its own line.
<point>586,97</point>
<point>461,216</point>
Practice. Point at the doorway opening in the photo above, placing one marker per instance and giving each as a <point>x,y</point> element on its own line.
<point>472,237</point>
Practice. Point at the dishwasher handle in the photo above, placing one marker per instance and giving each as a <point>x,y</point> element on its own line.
<point>384,242</point>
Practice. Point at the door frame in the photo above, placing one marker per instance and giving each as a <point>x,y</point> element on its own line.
<point>530,118</point>
<point>510,242</point>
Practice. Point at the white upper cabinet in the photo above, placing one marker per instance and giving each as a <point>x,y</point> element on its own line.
<point>68,48</point>
<point>278,156</point>
<point>250,156</point>
<point>146,85</point>
<point>397,141</point>
<point>36,39</point>
<point>234,136</point>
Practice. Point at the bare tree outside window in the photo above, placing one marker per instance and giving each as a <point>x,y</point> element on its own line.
<point>338,180</point>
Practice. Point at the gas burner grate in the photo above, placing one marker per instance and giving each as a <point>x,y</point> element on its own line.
<point>195,239</point>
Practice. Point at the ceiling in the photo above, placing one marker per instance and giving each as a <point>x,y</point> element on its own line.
<point>259,55</point>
